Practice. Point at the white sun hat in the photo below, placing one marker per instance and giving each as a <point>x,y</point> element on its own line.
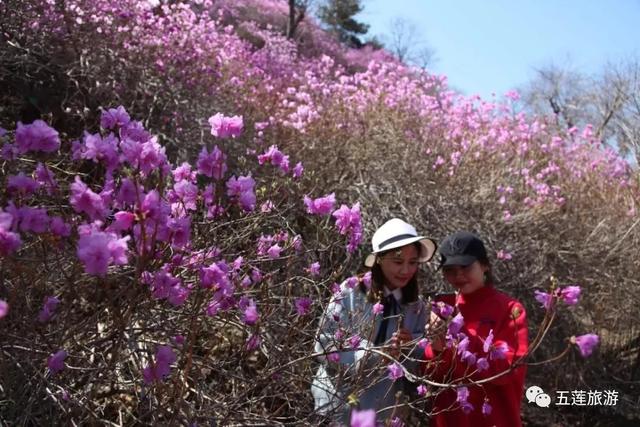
<point>396,233</point>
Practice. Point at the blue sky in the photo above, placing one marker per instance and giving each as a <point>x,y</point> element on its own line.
<point>495,45</point>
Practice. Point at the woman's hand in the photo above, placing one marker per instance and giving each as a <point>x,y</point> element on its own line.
<point>398,339</point>
<point>436,330</point>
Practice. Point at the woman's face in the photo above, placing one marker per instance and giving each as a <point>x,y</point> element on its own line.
<point>465,278</point>
<point>399,266</point>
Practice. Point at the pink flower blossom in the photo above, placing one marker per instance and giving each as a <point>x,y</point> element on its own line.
<point>9,241</point>
<point>100,149</point>
<point>55,362</point>
<point>486,408</point>
<point>216,275</point>
<point>251,315</point>
<point>35,220</point>
<point>241,189</point>
<point>48,309</point>
<point>320,206</point>
<point>365,418</point>
<point>421,390</point>
<point>349,222</point>
<point>544,298</point>
<point>354,341</point>
<point>570,294</point>
<point>503,255</point>
<point>314,269</point>
<point>395,371</point>
<point>274,251</point>
<point>4,308</point>
<point>298,170</point>
<point>253,342</point>
<point>58,227</point>
<point>482,364</point>
<point>272,155</point>
<point>303,305</point>
<point>37,136</point>
<point>377,308</point>
<point>158,371</point>
<point>22,184</point>
<point>83,200</point>
<point>586,343</point>
<point>114,117</point>
<point>45,177</point>
<point>123,220</point>
<point>212,165</point>
<point>97,250</point>
<point>225,127</point>
<point>366,279</point>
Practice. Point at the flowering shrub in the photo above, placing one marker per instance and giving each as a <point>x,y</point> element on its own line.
<point>156,278</point>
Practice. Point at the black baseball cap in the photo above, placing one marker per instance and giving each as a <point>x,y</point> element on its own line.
<point>461,248</point>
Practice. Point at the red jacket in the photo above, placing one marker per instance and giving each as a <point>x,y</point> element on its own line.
<point>483,310</point>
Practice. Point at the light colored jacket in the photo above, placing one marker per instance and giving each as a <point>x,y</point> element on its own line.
<point>359,370</point>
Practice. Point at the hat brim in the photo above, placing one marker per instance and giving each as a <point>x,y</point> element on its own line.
<point>463,260</point>
<point>426,253</point>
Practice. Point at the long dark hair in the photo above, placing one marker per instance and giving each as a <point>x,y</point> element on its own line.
<point>410,292</point>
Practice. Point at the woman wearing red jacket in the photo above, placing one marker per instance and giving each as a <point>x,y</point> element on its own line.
<point>480,350</point>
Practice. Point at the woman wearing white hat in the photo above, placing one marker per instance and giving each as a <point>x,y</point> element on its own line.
<point>366,322</point>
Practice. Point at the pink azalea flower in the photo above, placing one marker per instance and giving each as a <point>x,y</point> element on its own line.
<point>9,241</point>
<point>225,127</point>
<point>272,155</point>
<point>544,298</point>
<point>22,184</point>
<point>297,170</point>
<point>101,149</point>
<point>241,189</point>
<point>395,371</point>
<point>253,342</point>
<point>314,269</point>
<point>97,250</point>
<point>365,418</point>
<point>377,308</point>
<point>303,305</point>
<point>354,341</point>
<point>274,251</point>
<point>55,362</point>
<point>58,227</point>
<point>45,177</point>
<point>212,165</point>
<point>251,315</point>
<point>123,220</point>
<point>4,308</point>
<point>84,200</point>
<point>114,117</point>
<point>187,193</point>
<point>34,219</point>
<point>37,136</point>
<point>586,343</point>
<point>217,274</point>
<point>184,173</point>
<point>570,294</point>
<point>159,370</point>
<point>152,157</point>
<point>333,357</point>
<point>48,309</point>
<point>482,364</point>
<point>321,205</point>
<point>486,408</point>
<point>456,324</point>
<point>422,390</point>
<point>366,279</point>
